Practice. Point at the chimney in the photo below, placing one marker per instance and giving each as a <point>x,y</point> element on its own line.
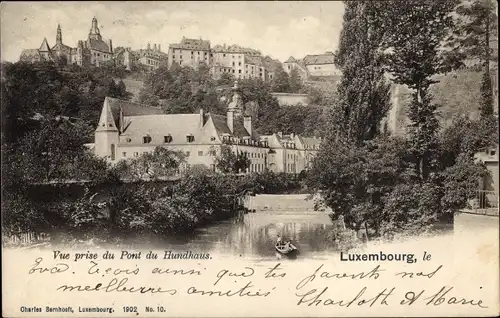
<point>247,122</point>
<point>149,46</point>
<point>202,119</point>
<point>110,45</point>
<point>292,136</point>
<point>230,120</point>
<point>155,47</point>
<point>159,47</point>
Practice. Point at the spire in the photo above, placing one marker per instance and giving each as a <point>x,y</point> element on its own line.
<point>45,46</point>
<point>106,121</point>
<point>94,30</point>
<point>59,35</point>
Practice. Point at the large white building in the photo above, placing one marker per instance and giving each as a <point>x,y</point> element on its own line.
<point>127,130</point>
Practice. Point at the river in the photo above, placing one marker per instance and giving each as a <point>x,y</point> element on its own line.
<point>254,236</point>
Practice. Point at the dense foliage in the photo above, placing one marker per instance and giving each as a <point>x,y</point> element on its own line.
<point>391,183</point>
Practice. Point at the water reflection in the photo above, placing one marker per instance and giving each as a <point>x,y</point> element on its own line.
<point>256,235</point>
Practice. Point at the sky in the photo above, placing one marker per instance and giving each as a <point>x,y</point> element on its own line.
<point>279,29</point>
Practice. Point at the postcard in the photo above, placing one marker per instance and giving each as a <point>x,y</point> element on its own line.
<point>250,159</point>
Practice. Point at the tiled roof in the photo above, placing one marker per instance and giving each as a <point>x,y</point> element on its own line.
<point>310,141</point>
<point>235,49</point>
<point>30,53</point>
<point>220,123</point>
<point>178,126</point>
<point>270,64</point>
<point>61,47</point>
<point>130,109</point>
<point>319,59</point>
<point>45,46</point>
<point>254,60</point>
<point>193,44</point>
<point>291,59</point>
<point>98,45</point>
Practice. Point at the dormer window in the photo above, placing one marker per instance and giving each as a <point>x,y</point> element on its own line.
<point>190,138</point>
<point>212,138</point>
<point>146,139</point>
<point>167,139</point>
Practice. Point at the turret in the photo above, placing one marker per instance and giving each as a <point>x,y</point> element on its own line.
<point>94,32</point>
<point>106,134</point>
<point>234,109</point>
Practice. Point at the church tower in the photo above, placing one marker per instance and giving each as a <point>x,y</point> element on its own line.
<point>94,32</point>
<point>106,134</point>
<point>59,35</point>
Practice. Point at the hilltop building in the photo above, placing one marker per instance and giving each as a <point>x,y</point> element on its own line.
<point>126,130</point>
<point>93,51</point>
<point>319,65</point>
<point>190,52</point>
<point>151,57</point>
<point>241,62</point>
<point>126,57</point>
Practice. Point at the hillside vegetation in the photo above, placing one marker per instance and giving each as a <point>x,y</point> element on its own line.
<point>457,94</point>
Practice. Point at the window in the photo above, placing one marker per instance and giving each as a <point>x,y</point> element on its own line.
<point>146,139</point>
<point>212,138</point>
<point>167,139</point>
<point>190,138</point>
<point>224,55</point>
<point>136,154</point>
<point>492,153</point>
<point>188,153</point>
<point>233,64</point>
<point>239,71</point>
<point>200,153</point>
<point>239,63</point>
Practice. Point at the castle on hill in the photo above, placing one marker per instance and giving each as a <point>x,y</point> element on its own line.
<point>127,130</point>
<point>92,51</point>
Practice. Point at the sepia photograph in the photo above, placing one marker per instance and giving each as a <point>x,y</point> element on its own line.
<point>215,152</point>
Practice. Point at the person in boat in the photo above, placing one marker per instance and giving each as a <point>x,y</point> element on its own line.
<point>280,242</point>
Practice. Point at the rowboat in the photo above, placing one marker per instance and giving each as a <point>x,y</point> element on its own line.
<point>285,248</point>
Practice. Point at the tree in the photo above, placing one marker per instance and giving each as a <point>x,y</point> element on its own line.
<point>476,36</point>
<point>295,82</point>
<point>227,161</point>
<point>280,82</point>
<point>257,92</point>
<point>161,162</point>
<point>363,96</point>
<point>226,79</point>
<point>415,40</point>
